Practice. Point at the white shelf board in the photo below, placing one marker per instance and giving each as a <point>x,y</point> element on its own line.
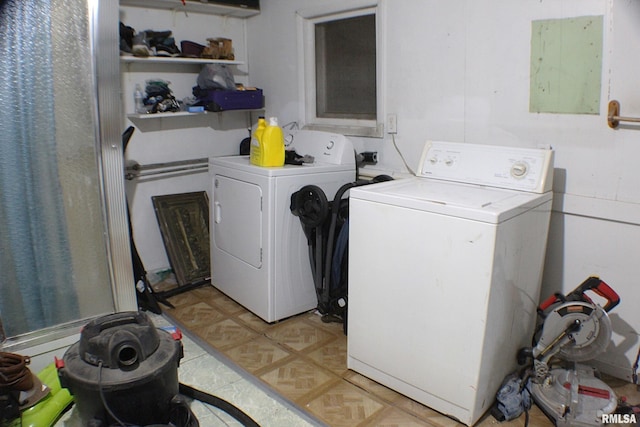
<point>176,60</point>
<point>193,6</point>
<point>186,113</point>
<point>163,115</point>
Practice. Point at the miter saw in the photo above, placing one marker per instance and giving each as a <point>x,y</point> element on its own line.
<point>574,329</point>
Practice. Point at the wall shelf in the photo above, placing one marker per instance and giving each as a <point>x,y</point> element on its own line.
<point>194,6</point>
<point>186,113</point>
<point>163,115</point>
<point>175,60</point>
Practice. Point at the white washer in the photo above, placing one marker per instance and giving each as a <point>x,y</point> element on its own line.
<point>445,271</point>
<point>259,253</point>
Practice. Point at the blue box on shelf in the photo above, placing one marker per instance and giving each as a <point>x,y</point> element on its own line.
<point>222,100</point>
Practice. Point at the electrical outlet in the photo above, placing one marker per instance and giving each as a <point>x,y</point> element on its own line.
<point>392,123</point>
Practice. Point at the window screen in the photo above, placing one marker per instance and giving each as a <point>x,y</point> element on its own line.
<point>345,52</point>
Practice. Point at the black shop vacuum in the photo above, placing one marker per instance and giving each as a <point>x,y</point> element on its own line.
<point>124,372</point>
<point>326,227</point>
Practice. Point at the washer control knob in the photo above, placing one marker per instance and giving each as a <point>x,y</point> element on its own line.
<point>433,160</point>
<point>448,162</point>
<point>519,169</point>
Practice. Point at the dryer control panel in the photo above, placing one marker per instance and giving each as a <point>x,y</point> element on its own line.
<point>524,169</point>
<point>324,147</point>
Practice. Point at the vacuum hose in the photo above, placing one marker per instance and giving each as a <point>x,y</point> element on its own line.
<point>227,407</point>
<point>335,209</point>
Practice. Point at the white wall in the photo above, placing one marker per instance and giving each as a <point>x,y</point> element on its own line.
<point>459,70</point>
<point>455,70</point>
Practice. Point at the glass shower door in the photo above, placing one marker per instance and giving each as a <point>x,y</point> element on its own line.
<point>64,245</point>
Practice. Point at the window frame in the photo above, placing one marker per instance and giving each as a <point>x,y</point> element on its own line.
<point>306,21</point>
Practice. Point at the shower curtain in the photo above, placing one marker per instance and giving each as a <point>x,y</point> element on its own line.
<point>52,249</point>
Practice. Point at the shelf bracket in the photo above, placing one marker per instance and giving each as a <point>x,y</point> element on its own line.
<point>614,118</point>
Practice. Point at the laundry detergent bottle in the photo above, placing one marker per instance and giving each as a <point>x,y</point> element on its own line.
<point>256,150</point>
<point>272,143</point>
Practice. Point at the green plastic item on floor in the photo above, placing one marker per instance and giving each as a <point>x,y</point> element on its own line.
<point>46,412</point>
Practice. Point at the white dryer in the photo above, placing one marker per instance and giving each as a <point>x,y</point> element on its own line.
<point>259,253</point>
<point>445,271</point>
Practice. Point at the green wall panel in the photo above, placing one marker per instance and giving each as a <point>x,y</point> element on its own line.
<point>566,65</point>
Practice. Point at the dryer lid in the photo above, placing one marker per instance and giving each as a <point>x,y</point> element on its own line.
<point>242,163</point>
<point>331,152</point>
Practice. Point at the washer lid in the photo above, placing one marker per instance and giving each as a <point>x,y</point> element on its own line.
<point>242,163</point>
<point>475,202</point>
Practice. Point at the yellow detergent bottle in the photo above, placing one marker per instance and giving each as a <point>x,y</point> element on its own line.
<point>272,143</point>
<point>256,150</point>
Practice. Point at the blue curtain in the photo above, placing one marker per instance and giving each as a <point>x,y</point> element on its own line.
<point>36,277</point>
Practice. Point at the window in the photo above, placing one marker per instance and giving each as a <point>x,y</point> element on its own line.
<point>339,69</point>
<point>346,68</point>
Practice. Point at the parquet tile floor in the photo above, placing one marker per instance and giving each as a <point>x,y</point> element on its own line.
<point>304,360</point>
